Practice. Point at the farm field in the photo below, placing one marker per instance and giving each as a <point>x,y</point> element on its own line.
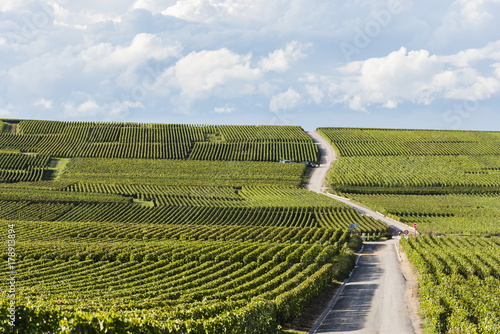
<point>151,228</point>
<point>459,282</point>
<point>402,173</point>
<point>414,161</point>
<point>160,141</point>
<point>447,182</point>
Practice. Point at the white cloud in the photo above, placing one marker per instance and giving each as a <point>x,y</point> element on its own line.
<point>466,21</point>
<point>157,55</point>
<point>280,59</point>
<point>143,47</point>
<point>285,101</point>
<point>5,108</point>
<point>10,5</point>
<point>154,6</point>
<point>474,12</point>
<point>4,112</point>
<point>45,104</point>
<point>416,77</point>
<point>227,109</point>
<point>90,108</point>
<point>219,73</point>
<point>222,10</point>
<point>315,93</point>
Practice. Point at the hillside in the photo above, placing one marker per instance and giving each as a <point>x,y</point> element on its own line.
<point>447,183</point>
<point>166,228</point>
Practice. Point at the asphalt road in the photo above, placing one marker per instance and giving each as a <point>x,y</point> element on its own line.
<point>373,300</point>
<point>328,156</point>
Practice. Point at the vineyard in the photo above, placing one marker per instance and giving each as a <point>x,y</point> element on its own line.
<point>167,228</point>
<point>171,228</point>
<point>448,183</point>
<point>462,214</point>
<point>414,161</point>
<point>445,181</point>
<point>170,286</point>
<point>160,141</point>
<point>459,281</point>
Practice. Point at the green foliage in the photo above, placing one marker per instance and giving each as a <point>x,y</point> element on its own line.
<point>450,214</point>
<point>160,141</point>
<point>414,161</point>
<point>118,287</point>
<point>181,172</point>
<point>459,282</point>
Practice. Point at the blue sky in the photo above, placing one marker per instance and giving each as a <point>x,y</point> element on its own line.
<point>396,63</point>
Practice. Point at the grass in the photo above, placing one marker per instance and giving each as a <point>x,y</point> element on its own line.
<point>8,151</point>
<point>56,168</point>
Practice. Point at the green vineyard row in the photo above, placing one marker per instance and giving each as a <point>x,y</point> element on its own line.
<point>160,141</point>
<point>459,282</point>
<point>449,214</point>
<point>330,218</point>
<point>105,233</point>
<point>174,287</point>
<point>414,161</point>
<point>416,174</point>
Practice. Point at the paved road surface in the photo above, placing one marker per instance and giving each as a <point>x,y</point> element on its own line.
<point>373,301</point>
<point>328,156</point>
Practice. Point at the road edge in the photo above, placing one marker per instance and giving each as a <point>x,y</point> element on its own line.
<point>335,298</point>
<point>415,318</point>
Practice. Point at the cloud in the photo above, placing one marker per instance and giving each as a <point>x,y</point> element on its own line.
<point>45,104</point>
<point>227,109</point>
<point>415,76</point>
<point>94,59</point>
<point>4,112</point>
<point>279,60</point>
<point>224,10</point>
<point>315,93</point>
<point>285,101</point>
<point>220,73</point>
<point>143,47</point>
<point>91,109</point>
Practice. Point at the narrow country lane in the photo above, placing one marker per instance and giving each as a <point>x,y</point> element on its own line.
<point>375,298</point>
<point>318,177</point>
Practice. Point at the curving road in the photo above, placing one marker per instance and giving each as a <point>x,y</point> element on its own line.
<point>318,178</point>
<point>375,297</point>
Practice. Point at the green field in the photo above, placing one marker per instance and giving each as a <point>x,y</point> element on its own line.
<point>164,228</point>
<point>171,228</point>
<point>160,141</point>
<point>448,183</point>
<point>459,281</point>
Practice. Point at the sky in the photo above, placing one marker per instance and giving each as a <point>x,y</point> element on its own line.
<point>355,63</point>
